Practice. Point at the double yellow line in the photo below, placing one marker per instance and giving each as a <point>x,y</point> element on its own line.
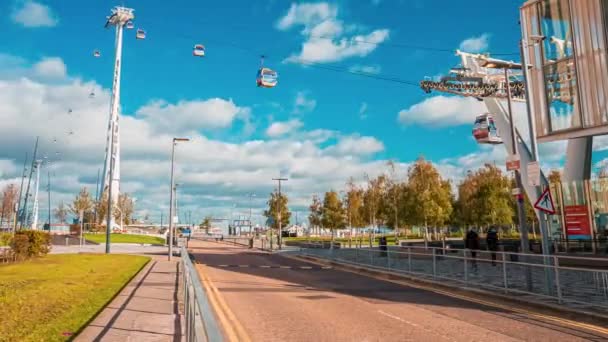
<point>232,328</point>
<point>563,321</point>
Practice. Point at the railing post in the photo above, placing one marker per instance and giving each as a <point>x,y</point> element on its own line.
<point>504,272</point>
<point>558,286</point>
<point>434,262</point>
<point>466,267</point>
<point>409,259</point>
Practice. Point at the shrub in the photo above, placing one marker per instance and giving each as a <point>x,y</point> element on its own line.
<point>30,244</point>
<point>5,239</point>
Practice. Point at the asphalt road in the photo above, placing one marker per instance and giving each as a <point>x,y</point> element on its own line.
<point>279,299</point>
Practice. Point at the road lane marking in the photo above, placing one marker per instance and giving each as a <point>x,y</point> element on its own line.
<point>285,266</point>
<point>563,321</point>
<point>232,326</point>
<point>264,266</point>
<point>223,265</point>
<point>243,266</point>
<point>415,325</point>
<point>326,267</point>
<point>306,267</point>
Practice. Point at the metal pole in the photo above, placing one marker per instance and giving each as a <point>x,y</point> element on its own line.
<point>49,198</point>
<point>542,223</point>
<point>111,175</point>
<point>20,193</point>
<point>36,203</point>
<point>525,245</point>
<point>280,223</point>
<point>29,182</point>
<point>171,203</point>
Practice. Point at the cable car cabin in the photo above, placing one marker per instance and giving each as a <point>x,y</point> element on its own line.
<point>199,50</point>
<point>266,78</point>
<point>141,34</point>
<point>96,53</point>
<point>130,25</point>
<point>485,131</point>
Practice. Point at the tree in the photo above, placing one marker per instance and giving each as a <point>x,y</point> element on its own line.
<point>61,212</point>
<point>316,211</point>
<point>206,224</point>
<point>555,176</point>
<point>430,197</point>
<point>82,202</point>
<point>101,207</point>
<point>333,212</point>
<point>492,198</point>
<point>276,204</point>
<point>126,206</point>
<point>9,200</point>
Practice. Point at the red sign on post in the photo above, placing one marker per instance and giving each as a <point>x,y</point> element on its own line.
<point>577,220</point>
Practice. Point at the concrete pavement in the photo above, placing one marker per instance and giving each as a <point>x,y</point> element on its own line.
<point>274,298</point>
<point>145,310</point>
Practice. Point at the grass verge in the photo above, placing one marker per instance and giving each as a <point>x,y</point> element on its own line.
<point>49,298</point>
<point>125,238</point>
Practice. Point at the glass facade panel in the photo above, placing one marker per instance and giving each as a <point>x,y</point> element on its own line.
<point>559,68</point>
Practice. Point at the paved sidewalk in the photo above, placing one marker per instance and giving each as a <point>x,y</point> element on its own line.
<point>146,310</point>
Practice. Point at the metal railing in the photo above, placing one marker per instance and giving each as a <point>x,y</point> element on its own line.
<point>200,320</point>
<point>262,242</point>
<point>546,277</point>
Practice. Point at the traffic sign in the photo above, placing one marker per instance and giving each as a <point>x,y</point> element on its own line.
<point>545,202</point>
<point>533,174</point>
<point>513,163</point>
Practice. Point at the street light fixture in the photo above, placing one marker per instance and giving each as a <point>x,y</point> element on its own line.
<point>175,141</point>
<point>279,213</point>
<point>251,196</point>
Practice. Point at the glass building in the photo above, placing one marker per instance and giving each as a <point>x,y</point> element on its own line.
<point>565,42</point>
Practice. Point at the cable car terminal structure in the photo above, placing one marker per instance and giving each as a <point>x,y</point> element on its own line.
<point>564,85</point>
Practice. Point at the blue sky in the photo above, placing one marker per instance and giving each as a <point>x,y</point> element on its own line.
<point>322,126</point>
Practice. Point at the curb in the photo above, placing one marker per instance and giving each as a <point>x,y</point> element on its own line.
<point>546,308</point>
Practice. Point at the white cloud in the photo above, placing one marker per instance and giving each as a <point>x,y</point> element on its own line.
<point>363,111</point>
<point>188,116</point>
<point>51,68</point>
<point>366,69</point>
<point>303,104</point>
<point>442,111</point>
<point>33,14</point>
<point>277,129</point>
<point>475,44</point>
<point>324,34</point>
<point>356,145</point>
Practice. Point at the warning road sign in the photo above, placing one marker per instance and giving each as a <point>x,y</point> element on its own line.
<point>545,202</point>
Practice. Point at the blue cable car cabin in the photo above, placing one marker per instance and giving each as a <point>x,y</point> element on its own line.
<point>141,34</point>
<point>199,50</point>
<point>485,130</point>
<point>130,25</point>
<point>267,78</point>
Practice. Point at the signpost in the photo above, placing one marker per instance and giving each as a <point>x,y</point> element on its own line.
<point>545,202</point>
<point>533,173</point>
<point>513,163</point>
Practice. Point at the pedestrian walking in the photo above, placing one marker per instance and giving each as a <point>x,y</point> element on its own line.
<point>472,243</point>
<point>492,243</point>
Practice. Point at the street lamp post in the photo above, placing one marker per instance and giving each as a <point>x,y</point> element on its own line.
<point>175,141</point>
<point>279,213</point>
<point>251,196</point>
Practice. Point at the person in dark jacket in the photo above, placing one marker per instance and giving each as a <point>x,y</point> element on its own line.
<point>471,242</point>
<point>492,242</point>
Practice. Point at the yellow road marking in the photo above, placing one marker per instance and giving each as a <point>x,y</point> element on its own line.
<point>231,325</point>
<point>594,328</point>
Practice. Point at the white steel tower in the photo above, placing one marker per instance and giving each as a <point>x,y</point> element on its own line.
<point>35,208</point>
<point>111,175</point>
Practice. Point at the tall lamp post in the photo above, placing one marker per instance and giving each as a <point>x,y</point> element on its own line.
<point>279,213</point>
<point>175,141</point>
<point>251,196</point>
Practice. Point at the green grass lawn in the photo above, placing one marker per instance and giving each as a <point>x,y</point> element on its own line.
<point>42,299</point>
<point>125,238</point>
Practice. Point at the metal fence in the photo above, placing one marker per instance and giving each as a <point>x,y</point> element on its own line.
<point>548,277</point>
<point>199,318</point>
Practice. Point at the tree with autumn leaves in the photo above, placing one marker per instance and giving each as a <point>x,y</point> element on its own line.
<point>426,200</point>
